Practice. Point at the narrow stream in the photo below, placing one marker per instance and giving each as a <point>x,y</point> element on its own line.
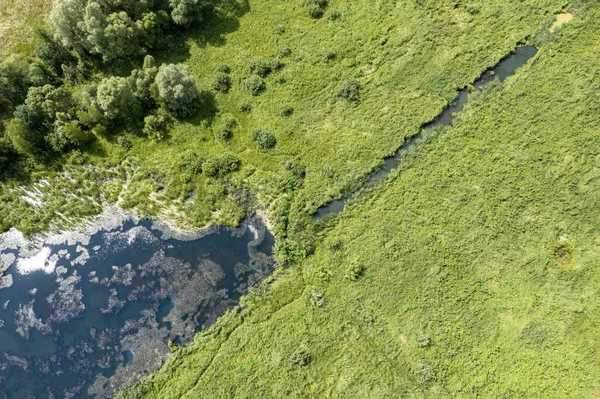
<point>505,68</point>
<point>82,314</point>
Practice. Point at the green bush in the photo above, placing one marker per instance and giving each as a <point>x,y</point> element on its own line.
<point>276,64</point>
<point>315,11</point>
<point>334,15</point>
<point>223,68</point>
<point>287,110</point>
<point>155,126</point>
<point>177,89</point>
<point>192,162</point>
<point>225,130</point>
<point>124,142</point>
<point>221,82</point>
<point>221,165</point>
<point>350,90</point>
<point>254,84</point>
<point>284,51</point>
<point>259,67</point>
<point>264,139</point>
<point>245,107</point>
<point>301,358</point>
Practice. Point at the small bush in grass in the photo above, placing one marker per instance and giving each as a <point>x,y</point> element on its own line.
<point>259,67</point>
<point>155,126</point>
<point>330,56</point>
<point>223,68</point>
<point>264,139</point>
<point>353,272</point>
<point>423,340</point>
<point>245,107</point>
<point>287,110</point>
<point>317,299</point>
<point>221,165</point>
<point>350,90</point>
<point>221,82</point>
<point>301,358</point>
<point>334,15</point>
<point>328,171</point>
<point>295,168</point>
<point>315,11</point>
<point>280,29</point>
<point>192,162</point>
<point>124,142</point>
<point>276,64</point>
<point>284,51</point>
<point>254,84</point>
<point>225,130</point>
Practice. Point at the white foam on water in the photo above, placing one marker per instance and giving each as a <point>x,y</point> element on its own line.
<point>41,261</point>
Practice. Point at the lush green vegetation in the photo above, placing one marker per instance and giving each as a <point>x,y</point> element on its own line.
<point>338,93</point>
<point>471,273</point>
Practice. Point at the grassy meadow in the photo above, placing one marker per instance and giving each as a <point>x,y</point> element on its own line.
<point>408,57</point>
<point>18,19</point>
<point>472,272</point>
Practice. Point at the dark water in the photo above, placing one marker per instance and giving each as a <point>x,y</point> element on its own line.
<point>100,314</point>
<point>505,68</point>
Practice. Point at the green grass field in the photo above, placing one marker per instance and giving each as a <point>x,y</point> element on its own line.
<point>18,18</point>
<point>476,264</point>
<point>409,58</point>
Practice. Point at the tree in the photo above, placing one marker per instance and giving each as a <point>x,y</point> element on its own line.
<point>185,12</point>
<point>116,99</point>
<point>124,35</point>
<point>65,20</point>
<point>24,139</point>
<point>143,79</point>
<point>177,89</point>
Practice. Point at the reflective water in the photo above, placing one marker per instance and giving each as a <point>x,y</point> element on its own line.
<point>88,313</point>
<point>505,68</point>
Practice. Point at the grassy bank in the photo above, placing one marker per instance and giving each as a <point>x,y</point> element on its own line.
<point>472,273</point>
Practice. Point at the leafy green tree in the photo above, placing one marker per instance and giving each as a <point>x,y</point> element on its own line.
<point>24,139</point>
<point>14,81</point>
<point>143,79</point>
<point>117,100</point>
<point>177,89</point>
<point>66,21</point>
<point>185,12</point>
<point>124,35</point>
<point>43,104</point>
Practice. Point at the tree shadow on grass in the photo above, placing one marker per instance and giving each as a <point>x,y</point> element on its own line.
<point>211,31</point>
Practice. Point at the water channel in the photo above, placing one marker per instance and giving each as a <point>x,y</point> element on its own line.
<point>505,68</point>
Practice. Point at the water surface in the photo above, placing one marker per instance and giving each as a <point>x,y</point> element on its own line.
<point>89,313</point>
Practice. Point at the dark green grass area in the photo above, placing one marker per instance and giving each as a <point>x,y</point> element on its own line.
<point>471,273</point>
<point>407,58</point>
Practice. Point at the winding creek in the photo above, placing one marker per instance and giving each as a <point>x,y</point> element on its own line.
<point>504,69</point>
<point>89,311</point>
<point>82,313</point>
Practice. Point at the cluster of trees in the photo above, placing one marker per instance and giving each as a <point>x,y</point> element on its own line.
<point>55,119</point>
<point>56,100</point>
<point>118,28</point>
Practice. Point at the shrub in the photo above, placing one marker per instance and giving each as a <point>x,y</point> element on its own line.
<point>254,84</point>
<point>245,107</point>
<point>192,162</point>
<point>423,340</point>
<point>353,272</point>
<point>317,299</point>
<point>280,29</point>
<point>301,358</point>
<point>264,139</point>
<point>221,82</point>
<point>287,110</point>
<point>334,15</point>
<point>315,11</point>
<point>124,142</point>
<point>225,130</point>
<point>295,168</point>
<point>155,126</point>
<point>284,51</point>
<point>223,68</point>
<point>259,67</point>
<point>276,64</point>
<point>349,89</point>
<point>330,56</point>
<point>221,165</point>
